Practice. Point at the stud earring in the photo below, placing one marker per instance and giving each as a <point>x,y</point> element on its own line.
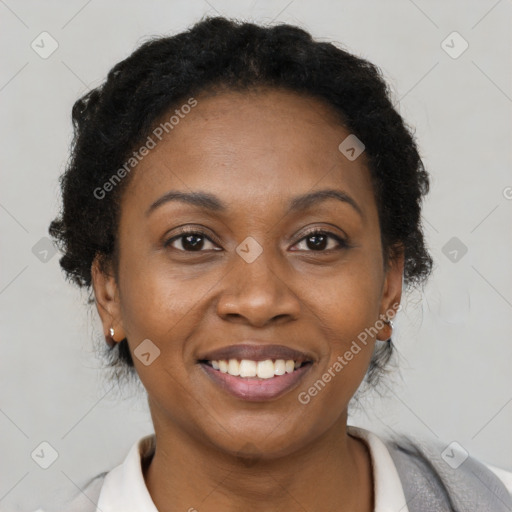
<point>111,342</point>
<point>389,323</point>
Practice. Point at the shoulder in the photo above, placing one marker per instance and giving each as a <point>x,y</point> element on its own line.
<point>504,475</point>
<point>446,473</point>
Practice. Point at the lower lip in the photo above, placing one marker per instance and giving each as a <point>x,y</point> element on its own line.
<point>254,389</point>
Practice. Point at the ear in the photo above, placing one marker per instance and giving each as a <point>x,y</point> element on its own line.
<point>391,291</point>
<point>106,293</point>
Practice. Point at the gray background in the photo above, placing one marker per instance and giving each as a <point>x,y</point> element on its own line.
<point>453,338</point>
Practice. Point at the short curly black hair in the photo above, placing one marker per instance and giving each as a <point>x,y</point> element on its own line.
<point>113,119</point>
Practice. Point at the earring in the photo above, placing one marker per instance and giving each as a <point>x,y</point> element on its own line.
<point>111,342</point>
<point>389,323</point>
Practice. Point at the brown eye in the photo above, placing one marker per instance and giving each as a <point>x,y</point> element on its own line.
<point>190,241</point>
<point>321,241</point>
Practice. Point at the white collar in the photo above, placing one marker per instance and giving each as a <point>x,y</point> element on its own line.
<point>124,488</point>
<point>387,486</point>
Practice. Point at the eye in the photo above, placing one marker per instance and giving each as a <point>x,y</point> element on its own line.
<point>318,240</point>
<point>191,241</point>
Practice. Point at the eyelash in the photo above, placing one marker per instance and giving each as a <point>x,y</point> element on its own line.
<point>343,244</point>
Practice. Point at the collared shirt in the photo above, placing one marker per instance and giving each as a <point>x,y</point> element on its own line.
<point>124,488</point>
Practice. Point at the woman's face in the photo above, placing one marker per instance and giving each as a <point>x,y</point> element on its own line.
<point>254,277</point>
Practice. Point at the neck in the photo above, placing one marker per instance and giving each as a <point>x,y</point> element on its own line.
<point>331,473</point>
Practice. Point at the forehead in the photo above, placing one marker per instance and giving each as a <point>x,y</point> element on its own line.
<point>259,146</point>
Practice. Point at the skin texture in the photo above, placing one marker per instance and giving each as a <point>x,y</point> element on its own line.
<point>255,151</point>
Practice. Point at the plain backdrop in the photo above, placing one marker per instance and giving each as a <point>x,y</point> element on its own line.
<point>454,341</point>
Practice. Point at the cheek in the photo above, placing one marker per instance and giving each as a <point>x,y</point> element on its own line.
<point>156,296</point>
<point>346,311</point>
<point>161,305</point>
<point>348,301</point>
<point>164,310</point>
<point>351,317</point>
<point>346,307</point>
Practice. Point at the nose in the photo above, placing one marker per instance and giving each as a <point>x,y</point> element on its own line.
<point>254,293</point>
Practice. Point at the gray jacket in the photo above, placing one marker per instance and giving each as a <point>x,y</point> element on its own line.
<point>430,484</point>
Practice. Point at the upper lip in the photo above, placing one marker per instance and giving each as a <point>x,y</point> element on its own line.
<point>256,352</point>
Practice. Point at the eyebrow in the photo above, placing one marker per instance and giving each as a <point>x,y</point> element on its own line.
<point>208,201</point>
<point>306,200</point>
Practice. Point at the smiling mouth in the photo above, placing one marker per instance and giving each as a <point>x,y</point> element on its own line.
<point>256,381</point>
<point>249,369</point>
<point>254,371</point>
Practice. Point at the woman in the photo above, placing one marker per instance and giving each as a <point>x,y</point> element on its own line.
<point>244,204</point>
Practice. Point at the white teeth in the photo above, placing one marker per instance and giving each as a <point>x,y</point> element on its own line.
<point>279,367</point>
<point>233,367</point>
<point>247,368</point>
<point>265,369</point>
<point>261,369</point>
